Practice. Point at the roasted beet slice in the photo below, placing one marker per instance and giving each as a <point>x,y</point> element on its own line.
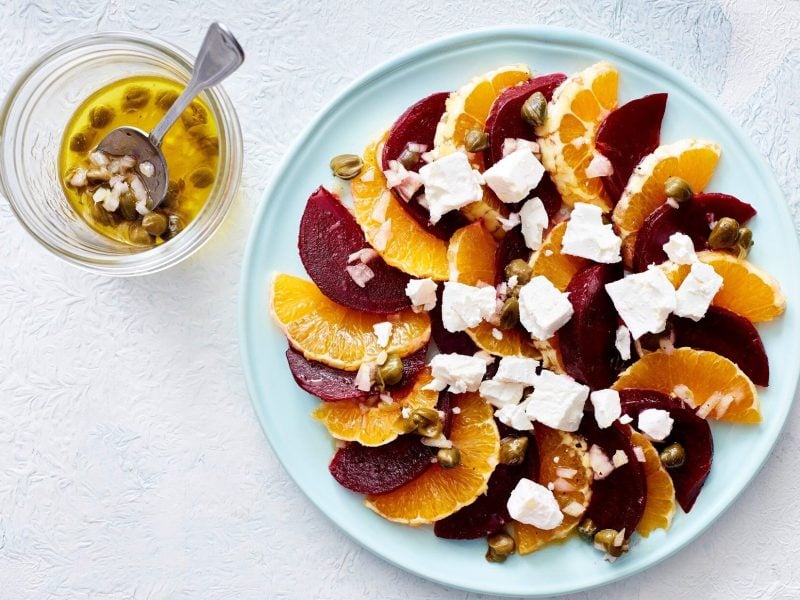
<point>627,135</point>
<point>512,246</point>
<point>380,469</point>
<point>689,430</point>
<point>418,126</point>
<point>618,500</point>
<point>329,234</point>
<point>445,405</point>
<point>587,340</point>
<point>332,385</point>
<point>448,342</point>
<point>692,218</point>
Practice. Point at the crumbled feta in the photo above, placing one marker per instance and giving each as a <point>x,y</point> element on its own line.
<point>643,300</point>
<point>534,504</point>
<point>619,459</point>
<point>622,341</point>
<point>405,183</point>
<point>601,464</point>
<point>383,331</point>
<point>625,419</point>
<point>513,144</point>
<point>599,166</point>
<point>465,306</point>
<point>514,416</point>
<point>360,273</point>
<point>607,407</point>
<point>680,249</point>
<point>499,393</point>
<point>543,309</point>
<point>557,401</point>
<point>588,237</point>
<point>450,183</point>
<point>655,423</point>
<point>459,372</point>
<point>422,293</point>
<point>695,294</point>
<point>514,176</point>
<point>512,221</point>
<point>517,369</point>
<point>534,222</point>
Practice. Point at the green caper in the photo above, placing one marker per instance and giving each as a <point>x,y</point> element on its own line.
<point>744,241</point>
<point>101,115</point>
<point>678,189</point>
<point>449,457</point>
<point>673,456</point>
<point>605,538</point>
<point>100,215</point>
<point>175,225</point>
<point>346,166</point>
<point>509,314</point>
<point>194,115</point>
<point>512,450</point>
<point>724,234</point>
<point>432,430</point>
<point>127,206</point>
<point>519,268</point>
<point>154,223</point>
<point>209,145</point>
<point>174,189</point>
<point>425,416</point>
<point>534,111</point>
<point>165,99</point>
<point>202,177</point>
<point>405,425</point>
<point>408,158</point>
<point>137,235</point>
<point>135,97</point>
<point>391,371</point>
<point>476,140</point>
<point>501,546</point>
<point>587,529</point>
<point>82,141</point>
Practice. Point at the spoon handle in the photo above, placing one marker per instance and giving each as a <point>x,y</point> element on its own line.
<point>219,56</point>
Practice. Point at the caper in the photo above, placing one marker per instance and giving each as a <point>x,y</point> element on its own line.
<point>678,189</point>
<point>587,529</point>
<point>449,457</point>
<point>476,140</point>
<point>175,225</point>
<point>512,450</point>
<point>154,223</point>
<point>391,371</point>
<point>724,234</point>
<point>605,538</point>
<point>501,546</point>
<point>135,97</point>
<point>209,145</point>
<point>509,314</point>
<point>127,206</point>
<point>165,99</point>
<point>408,158</point>
<point>194,115</point>
<point>138,235</point>
<point>432,430</point>
<point>100,116</point>
<point>673,456</point>
<point>101,215</point>
<point>174,189</point>
<point>202,177</point>
<point>425,416</point>
<point>519,268</point>
<point>346,166</point>
<point>82,141</point>
<point>744,241</point>
<point>534,111</point>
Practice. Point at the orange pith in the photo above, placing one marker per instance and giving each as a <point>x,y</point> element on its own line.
<point>557,267</point>
<point>660,502</point>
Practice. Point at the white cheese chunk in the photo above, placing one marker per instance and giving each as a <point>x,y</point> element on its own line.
<point>450,183</point>
<point>422,293</point>
<point>643,300</point>
<point>534,221</point>
<point>534,504</point>
<point>588,237</point>
<point>625,419</point>
<point>459,372</point>
<point>622,342</point>
<point>465,306</point>
<point>499,393</point>
<point>514,416</point>
<point>383,331</point>
<point>680,249</point>
<point>514,176</point>
<point>655,423</point>
<point>695,294</point>
<point>607,407</point>
<point>543,309</point>
<point>557,401</point>
<point>517,369</point>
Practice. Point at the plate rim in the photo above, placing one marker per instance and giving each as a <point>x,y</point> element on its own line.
<point>541,33</point>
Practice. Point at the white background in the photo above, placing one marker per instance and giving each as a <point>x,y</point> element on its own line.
<point>131,461</point>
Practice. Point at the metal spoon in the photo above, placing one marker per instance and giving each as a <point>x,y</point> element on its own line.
<point>219,56</point>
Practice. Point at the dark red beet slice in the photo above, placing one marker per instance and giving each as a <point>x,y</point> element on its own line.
<point>329,234</point>
<point>418,126</point>
<point>332,385</point>
<point>512,246</point>
<point>689,430</point>
<point>448,342</point>
<point>587,340</point>
<point>445,404</point>
<point>618,500</point>
<point>692,218</point>
<point>380,469</point>
<point>627,135</point>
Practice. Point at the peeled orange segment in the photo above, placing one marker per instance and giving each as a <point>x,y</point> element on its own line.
<point>471,255</point>
<point>705,380</point>
<point>513,342</point>
<point>356,421</point>
<point>557,267</point>
<point>551,355</point>
<point>690,159</point>
<point>440,492</point>
<point>746,290</point>
<point>578,107</point>
<point>659,505</point>
<point>402,243</point>
<point>339,337</point>
<point>573,459</point>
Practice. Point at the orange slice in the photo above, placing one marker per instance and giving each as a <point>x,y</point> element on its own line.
<point>354,421</point>
<point>578,107</point>
<point>337,336</point>
<point>557,267</point>
<point>570,450</point>
<point>716,385</point>
<point>746,290</point>
<point>403,243</point>
<point>660,502</point>
<point>514,342</point>
<point>440,492</point>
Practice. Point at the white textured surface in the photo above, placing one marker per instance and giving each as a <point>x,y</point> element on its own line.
<point>131,462</point>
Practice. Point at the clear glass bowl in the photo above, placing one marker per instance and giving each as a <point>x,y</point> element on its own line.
<point>32,123</point>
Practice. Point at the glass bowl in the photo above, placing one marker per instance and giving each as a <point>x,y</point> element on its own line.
<point>32,123</point>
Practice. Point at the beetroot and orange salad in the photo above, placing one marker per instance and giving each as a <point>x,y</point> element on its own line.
<point>524,313</point>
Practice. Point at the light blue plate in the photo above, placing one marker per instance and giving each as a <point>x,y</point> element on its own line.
<point>367,107</point>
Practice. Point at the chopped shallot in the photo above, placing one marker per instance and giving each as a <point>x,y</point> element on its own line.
<point>364,377</point>
<point>382,235</point>
<point>573,509</point>
<point>360,273</point>
<point>566,472</point>
<point>414,147</point>
<point>599,167</point>
<point>601,465</point>
<point>637,450</point>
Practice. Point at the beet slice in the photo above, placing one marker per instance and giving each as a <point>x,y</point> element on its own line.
<point>618,500</point>
<point>512,246</point>
<point>587,340</point>
<point>691,218</point>
<point>627,135</point>
<point>449,342</point>
<point>380,469</point>
<point>445,404</point>
<point>329,234</point>
<point>689,430</point>
<point>418,126</point>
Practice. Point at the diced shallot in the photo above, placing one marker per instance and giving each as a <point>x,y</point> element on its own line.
<point>360,273</point>
<point>599,167</point>
<point>364,376</point>
<point>382,235</point>
<point>562,485</point>
<point>573,509</point>
<point>601,465</point>
<point>414,147</point>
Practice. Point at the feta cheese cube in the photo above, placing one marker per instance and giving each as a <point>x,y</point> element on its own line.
<point>607,408</point>
<point>543,309</point>
<point>383,331</point>
<point>459,372</point>
<point>513,176</point>
<point>450,183</point>
<point>499,393</point>
<point>465,306</point>
<point>697,291</point>
<point>517,369</point>
<point>534,504</point>
<point>422,293</point>
<point>514,416</point>
<point>680,249</point>
<point>655,423</point>
<point>534,221</point>
<point>557,401</point>
<point>588,237</point>
<point>622,342</point>
<point>644,301</point>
